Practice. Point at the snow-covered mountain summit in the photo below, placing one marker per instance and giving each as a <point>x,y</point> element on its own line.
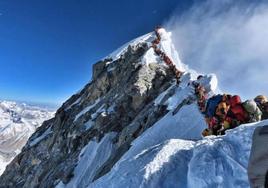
<point>17,122</point>
<point>134,126</point>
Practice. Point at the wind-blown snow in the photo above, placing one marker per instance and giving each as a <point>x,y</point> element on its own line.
<point>171,153</point>
<point>167,46</point>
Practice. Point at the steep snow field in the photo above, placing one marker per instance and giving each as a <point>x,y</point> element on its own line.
<point>210,162</point>
<point>17,122</point>
<point>171,153</point>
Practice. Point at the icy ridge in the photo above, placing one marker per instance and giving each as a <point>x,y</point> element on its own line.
<point>133,135</point>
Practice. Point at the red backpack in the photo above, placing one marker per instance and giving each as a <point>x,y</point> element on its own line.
<point>237,109</point>
<point>234,100</point>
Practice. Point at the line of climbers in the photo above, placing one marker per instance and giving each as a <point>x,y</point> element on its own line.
<point>222,111</point>
<point>225,111</point>
<point>163,55</point>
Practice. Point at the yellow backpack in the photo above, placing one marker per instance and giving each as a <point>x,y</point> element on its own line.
<point>222,109</point>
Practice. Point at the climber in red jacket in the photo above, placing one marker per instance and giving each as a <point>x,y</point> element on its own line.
<point>237,111</point>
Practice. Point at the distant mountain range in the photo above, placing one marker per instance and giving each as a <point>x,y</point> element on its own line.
<point>17,123</point>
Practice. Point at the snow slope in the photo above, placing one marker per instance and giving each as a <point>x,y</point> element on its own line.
<point>210,162</point>
<point>172,153</point>
<point>17,122</point>
<point>148,38</point>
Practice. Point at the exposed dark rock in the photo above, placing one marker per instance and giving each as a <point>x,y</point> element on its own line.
<point>121,99</point>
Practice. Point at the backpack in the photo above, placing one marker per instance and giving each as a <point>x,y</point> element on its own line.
<point>222,109</point>
<point>253,110</point>
<point>212,104</point>
<point>237,109</point>
<point>234,100</point>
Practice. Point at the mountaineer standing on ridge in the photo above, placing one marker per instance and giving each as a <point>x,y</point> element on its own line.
<point>262,103</point>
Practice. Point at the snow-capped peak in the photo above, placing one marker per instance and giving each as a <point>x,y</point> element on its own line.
<point>166,45</point>
<point>134,126</point>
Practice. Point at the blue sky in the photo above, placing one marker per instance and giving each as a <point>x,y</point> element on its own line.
<point>48,46</point>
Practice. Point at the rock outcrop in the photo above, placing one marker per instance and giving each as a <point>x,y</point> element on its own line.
<point>136,124</point>
<point>118,100</point>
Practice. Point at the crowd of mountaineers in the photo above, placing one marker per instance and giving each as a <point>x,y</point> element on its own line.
<point>225,111</point>
<point>221,111</point>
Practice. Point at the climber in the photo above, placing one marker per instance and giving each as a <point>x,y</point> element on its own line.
<point>222,110</point>
<point>261,99</point>
<point>225,112</point>
<point>156,41</point>
<point>231,112</point>
<point>253,110</point>
<point>237,111</point>
<point>164,57</point>
<point>262,103</point>
<point>202,96</point>
<point>208,108</point>
<point>196,83</point>
<point>167,60</point>
<point>178,75</point>
<point>157,33</point>
<point>215,109</point>
<point>212,104</point>
<point>199,92</point>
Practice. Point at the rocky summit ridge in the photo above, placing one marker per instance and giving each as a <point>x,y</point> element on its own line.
<point>119,130</point>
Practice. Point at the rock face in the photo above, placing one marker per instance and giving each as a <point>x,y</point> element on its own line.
<point>117,106</point>
<point>134,126</point>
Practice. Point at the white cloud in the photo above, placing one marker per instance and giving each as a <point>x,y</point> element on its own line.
<point>228,38</point>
